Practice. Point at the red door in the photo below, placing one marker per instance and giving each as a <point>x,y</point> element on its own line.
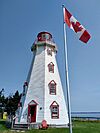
<point>32,113</point>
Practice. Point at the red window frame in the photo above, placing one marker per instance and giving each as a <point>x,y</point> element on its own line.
<point>52,87</point>
<point>51,67</point>
<point>54,110</point>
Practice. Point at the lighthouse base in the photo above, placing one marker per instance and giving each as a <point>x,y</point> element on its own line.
<point>37,126</point>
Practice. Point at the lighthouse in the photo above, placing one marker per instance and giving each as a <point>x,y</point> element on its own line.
<point>43,97</point>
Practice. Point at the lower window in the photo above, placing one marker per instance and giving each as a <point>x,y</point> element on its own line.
<point>54,111</point>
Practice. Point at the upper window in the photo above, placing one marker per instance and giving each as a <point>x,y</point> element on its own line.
<point>49,52</point>
<point>25,87</point>
<point>52,87</point>
<point>26,84</point>
<point>54,110</point>
<point>51,67</point>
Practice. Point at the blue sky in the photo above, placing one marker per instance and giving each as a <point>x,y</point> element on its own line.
<point>22,20</point>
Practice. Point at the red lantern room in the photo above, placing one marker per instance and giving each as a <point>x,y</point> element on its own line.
<point>44,36</point>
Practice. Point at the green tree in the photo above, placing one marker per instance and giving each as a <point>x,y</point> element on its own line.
<point>12,103</point>
<point>2,102</point>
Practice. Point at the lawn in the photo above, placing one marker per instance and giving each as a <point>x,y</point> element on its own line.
<point>78,127</point>
<point>86,127</point>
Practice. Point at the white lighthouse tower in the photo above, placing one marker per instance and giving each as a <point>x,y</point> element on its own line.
<point>43,97</point>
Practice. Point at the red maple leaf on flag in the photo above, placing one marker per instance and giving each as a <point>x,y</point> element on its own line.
<point>77,26</point>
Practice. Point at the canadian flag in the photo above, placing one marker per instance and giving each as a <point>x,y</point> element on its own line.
<point>72,23</point>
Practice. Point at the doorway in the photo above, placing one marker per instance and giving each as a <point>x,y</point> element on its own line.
<point>32,111</point>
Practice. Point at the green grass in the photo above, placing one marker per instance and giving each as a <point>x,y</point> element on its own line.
<point>78,127</point>
<point>86,127</point>
<point>2,125</point>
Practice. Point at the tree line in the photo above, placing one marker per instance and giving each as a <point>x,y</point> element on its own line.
<point>9,104</point>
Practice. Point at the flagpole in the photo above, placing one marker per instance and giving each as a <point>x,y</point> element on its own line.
<point>66,74</point>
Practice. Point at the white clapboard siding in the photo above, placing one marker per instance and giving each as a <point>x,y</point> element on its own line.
<point>36,85</point>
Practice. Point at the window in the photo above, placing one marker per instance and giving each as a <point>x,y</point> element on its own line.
<point>44,37</point>
<point>26,83</point>
<point>51,67</point>
<point>49,52</point>
<point>25,87</point>
<point>23,92</point>
<point>52,87</point>
<point>54,110</point>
